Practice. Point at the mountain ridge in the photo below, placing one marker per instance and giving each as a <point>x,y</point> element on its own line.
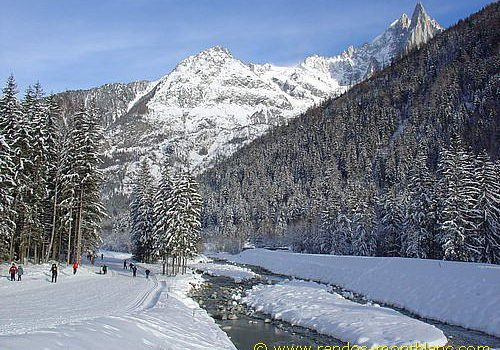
<point>212,103</point>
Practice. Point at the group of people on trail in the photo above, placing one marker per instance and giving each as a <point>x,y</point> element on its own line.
<point>133,268</point>
<point>16,271</point>
<point>91,257</point>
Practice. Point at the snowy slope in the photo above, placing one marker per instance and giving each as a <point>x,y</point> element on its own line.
<point>114,311</point>
<point>311,305</point>
<point>464,294</point>
<point>212,103</point>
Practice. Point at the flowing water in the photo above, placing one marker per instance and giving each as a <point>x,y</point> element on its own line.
<point>219,296</point>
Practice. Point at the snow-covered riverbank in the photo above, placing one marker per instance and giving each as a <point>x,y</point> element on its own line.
<point>311,305</point>
<point>464,294</point>
<point>237,273</point>
<point>113,311</point>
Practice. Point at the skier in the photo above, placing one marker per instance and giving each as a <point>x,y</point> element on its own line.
<point>53,269</point>
<point>134,270</point>
<point>75,267</point>
<point>13,271</point>
<point>20,272</point>
<point>147,273</point>
<point>104,269</point>
<point>131,265</point>
<point>102,256</point>
<point>125,264</point>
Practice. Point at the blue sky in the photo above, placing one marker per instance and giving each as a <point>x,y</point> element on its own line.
<point>74,44</point>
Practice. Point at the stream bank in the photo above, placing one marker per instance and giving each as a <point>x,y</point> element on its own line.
<point>220,297</point>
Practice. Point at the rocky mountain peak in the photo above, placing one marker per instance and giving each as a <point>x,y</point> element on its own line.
<point>419,13</point>
<point>403,22</point>
<point>422,28</point>
<point>214,57</point>
<point>211,103</point>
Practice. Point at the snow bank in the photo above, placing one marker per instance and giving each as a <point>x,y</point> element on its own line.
<point>235,272</point>
<point>464,294</point>
<point>311,305</point>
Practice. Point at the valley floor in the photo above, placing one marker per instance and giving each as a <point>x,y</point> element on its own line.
<point>116,311</point>
<point>113,311</point>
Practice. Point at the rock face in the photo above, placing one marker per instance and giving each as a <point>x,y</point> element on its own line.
<point>212,103</point>
<point>422,28</point>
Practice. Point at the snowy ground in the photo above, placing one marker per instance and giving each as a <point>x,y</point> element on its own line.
<point>311,305</point>
<point>464,294</point>
<point>237,273</point>
<point>113,311</point>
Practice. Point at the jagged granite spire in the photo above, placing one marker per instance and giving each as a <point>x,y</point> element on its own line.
<point>422,28</point>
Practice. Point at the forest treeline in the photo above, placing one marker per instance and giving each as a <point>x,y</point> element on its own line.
<point>50,202</point>
<point>404,164</point>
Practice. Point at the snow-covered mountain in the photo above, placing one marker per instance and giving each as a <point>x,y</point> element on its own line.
<point>212,103</point>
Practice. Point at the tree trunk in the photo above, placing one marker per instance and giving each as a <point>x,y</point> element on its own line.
<point>79,237</point>
<point>54,207</point>
<point>69,235</point>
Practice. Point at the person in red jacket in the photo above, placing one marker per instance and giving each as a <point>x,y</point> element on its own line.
<point>13,271</point>
<point>75,267</point>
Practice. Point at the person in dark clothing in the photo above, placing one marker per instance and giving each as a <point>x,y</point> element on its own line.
<point>125,264</point>
<point>131,265</point>
<point>134,271</point>
<point>20,272</point>
<point>13,271</point>
<point>104,269</point>
<point>53,269</point>
<point>147,273</point>
<point>102,256</point>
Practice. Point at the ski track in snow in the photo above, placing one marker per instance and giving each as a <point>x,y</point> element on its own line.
<point>114,311</point>
<point>83,296</point>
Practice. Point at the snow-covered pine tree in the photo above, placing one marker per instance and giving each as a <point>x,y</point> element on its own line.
<point>363,242</point>
<point>81,180</point>
<point>458,212</point>
<point>342,235</point>
<point>184,221</point>
<point>141,213</point>
<point>419,219</point>
<point>330,204</point>
<point>34,111</point>
<point>67,199</point>
<point>7,188</point>
<point>53,149</point>
<point>92,209</point>
<point>391,221</point>
<point>486,241</point>
<point>161,230</point>
<point>16,131</point>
